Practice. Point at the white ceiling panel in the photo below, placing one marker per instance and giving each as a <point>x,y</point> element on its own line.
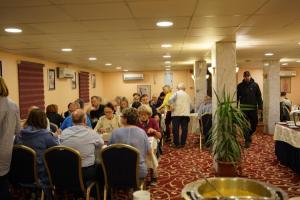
<point>97,11</point>
<point>110,25</point>
<point>163,8</point>
<point>34,14</point>
<point>228,7</point>
<point>217,21</point>
<point>23,3</point>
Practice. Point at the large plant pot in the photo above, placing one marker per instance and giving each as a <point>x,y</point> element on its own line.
<point>227,169</point>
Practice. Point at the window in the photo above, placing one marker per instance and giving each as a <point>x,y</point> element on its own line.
<point>84,86</point>
<point>31,86</point>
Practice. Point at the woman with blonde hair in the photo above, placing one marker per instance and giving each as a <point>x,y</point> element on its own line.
<point>9,126</point>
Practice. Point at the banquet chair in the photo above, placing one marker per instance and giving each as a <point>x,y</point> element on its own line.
<point>23,170</point>
<point>63,165</point>
<point>53,127</point>
<point>120,163</point>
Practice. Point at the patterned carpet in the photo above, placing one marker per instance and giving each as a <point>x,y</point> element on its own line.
<point>178,167</point>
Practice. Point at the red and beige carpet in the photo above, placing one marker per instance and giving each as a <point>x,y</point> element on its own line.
<point>178,167</point>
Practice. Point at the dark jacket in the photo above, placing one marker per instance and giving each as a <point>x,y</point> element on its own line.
<point>38,140</point>
<point>55,118</point>
<point>249,93</point>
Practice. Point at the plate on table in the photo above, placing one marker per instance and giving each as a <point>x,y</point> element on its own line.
<point>293,126</point>
<point>281,122</point>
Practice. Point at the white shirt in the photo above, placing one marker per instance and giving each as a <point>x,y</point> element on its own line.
<point>181,103</point>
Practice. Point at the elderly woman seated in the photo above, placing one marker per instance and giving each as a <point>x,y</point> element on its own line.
<point>151,127</point>
<point>107,123</point>
<point>132,135</point>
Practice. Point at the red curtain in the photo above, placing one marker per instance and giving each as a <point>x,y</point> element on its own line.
<point>84,91</point>
<point>31,86</point>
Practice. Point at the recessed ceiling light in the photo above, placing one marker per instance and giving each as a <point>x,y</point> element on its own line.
<point>92,58</point>
<point>164,24</point>
<point>299,43</point>
<point>166,45</point>
<point>266,64</point>
<point>66,49</point>
<point>167,62</point>
<point>168,66</point>
<point>298,61</point>
<point>269,54</point>
<point>108,64</point>
<point>125,70</point>
<point>13,30</point>
<point>166,56</point>
<point>118,67</point>
<point>285,64</point>
<point>168,69</point>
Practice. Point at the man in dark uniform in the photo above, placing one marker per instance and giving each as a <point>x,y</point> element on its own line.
<point>249,97</point>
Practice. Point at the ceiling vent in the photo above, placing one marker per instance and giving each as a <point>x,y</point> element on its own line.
<point>133,76</point>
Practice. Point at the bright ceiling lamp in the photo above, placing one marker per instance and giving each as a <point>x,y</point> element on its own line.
<point>168,66</point>
<point>118,67</point>
<point>108,64</point>
<point>166,45</point>
<point>237,69</point>
<point>92,58</point>
<point>168,69</point>
<point>125,70</point>
<point>167,56</point>
<point>167,62</point>
<point>13,30</point>
<point>269,54</point>
<point>164,24</point>
<point>66,49</point>
<point>285,64</point>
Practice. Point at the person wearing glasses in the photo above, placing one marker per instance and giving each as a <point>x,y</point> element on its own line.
<point>107,123</point>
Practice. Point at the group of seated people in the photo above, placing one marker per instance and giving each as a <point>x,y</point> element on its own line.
<point>114,122</point>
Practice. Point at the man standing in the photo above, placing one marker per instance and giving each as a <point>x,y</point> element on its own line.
<point>180,114</point>
<point>85,140</point>
<point>249,97</point>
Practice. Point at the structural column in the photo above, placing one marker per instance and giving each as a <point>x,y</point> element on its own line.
<point>200,83</point>
<point>223,69</point>
<point>271,95</point>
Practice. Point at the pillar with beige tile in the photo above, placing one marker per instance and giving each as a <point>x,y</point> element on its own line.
<point>223,68</point>
<point>271,95</point>
<point>200,84</point>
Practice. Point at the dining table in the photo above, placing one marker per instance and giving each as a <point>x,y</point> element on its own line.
<point>287,145</point>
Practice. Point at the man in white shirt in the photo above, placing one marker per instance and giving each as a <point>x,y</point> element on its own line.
<point>181,104</point>
<point>85,140</point>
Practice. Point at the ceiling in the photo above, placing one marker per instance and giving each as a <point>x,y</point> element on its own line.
<point>123,32</point>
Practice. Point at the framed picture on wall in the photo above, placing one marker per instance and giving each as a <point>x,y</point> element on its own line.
<point>0,68</point>
<point>93,80</point>
<point>285,84</point>
<point>73,81</point>
<point>144,89</point>
<point>51,79</point>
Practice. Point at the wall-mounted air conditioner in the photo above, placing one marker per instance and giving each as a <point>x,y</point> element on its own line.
<point>133,76</point>
<point>287,73</point>
<point>63,72</point>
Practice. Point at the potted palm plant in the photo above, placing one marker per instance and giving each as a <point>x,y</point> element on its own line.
<point>229,125</point>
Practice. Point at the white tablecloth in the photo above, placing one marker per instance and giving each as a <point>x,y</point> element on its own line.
<point>288,135</point>
<point>152,161</point>
<point>194,126</point>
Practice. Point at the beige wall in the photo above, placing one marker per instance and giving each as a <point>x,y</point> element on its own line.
<point>115,86</point>
<point>63,92</point>
<point>108,85</point>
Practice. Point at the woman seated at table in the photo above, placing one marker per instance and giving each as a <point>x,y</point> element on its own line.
<point>36,136</point>
<point>151,127</point>
<point>53,116</point>
<point>107,123</point>
<point>134,136</point>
